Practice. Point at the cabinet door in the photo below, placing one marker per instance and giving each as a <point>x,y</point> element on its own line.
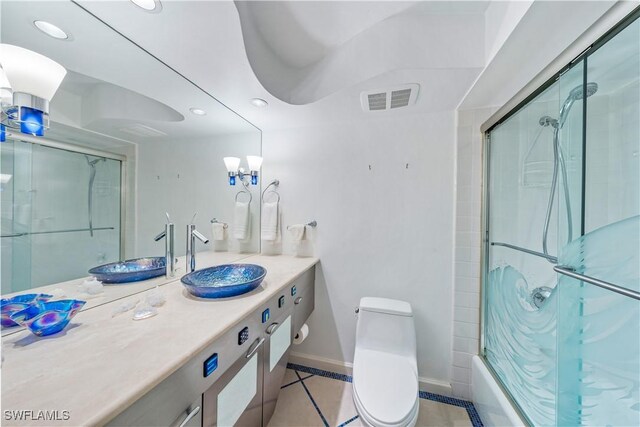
<point>276,351</point>
<point>192,417</point>
<point>235,399</point>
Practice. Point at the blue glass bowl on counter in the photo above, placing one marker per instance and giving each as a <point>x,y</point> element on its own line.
<point>132,270</point>
<point>18,303</point>
<point>222,281</point>
<point>48,318</point>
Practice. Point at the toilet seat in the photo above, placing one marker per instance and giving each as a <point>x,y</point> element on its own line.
<point>385,388</point>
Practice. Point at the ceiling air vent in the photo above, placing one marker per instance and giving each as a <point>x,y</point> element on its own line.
<point>377,101</point>
<point>397,97</point>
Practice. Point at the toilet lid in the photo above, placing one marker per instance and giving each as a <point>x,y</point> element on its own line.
<point>385,384</point>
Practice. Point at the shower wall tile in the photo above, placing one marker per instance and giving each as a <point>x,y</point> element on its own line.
<point>466,315</point>
<point>462,360</point>
<point>467,299</point>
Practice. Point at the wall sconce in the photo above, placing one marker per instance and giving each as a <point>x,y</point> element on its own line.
<point>234,169</point>
<point>28,81</point>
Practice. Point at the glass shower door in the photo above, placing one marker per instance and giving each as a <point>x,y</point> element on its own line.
<point>562,312</point>
<point>598,329</point>
<point>520,314</point>
<point>60,214</point>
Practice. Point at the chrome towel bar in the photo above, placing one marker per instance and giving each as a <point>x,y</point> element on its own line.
<point>224,224</point>
<point>58,231</point>
<point>528,251</point>
<point>567,271</point>
<point>312,224</point>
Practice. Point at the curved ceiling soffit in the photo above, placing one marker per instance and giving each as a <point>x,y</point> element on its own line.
<point>101,102</point>
<point>412,39</point>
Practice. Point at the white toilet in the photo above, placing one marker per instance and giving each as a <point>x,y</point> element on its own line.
<point>385,372</point>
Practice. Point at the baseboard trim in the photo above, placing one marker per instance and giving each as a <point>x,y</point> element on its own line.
<point>345,368</point>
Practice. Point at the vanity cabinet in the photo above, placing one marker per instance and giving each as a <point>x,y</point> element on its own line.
<point>236,397</point>
<point>237,378</point>
<point>276,352</point>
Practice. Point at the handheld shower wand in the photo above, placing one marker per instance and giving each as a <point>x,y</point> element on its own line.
<point>576,94</point>
<point>92,177</point>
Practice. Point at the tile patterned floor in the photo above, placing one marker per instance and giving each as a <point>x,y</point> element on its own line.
<point>312,397</point>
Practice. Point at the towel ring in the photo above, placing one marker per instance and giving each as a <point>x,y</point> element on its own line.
<point>271,192</point>
<point>275,183</point>
<point>245,192</point>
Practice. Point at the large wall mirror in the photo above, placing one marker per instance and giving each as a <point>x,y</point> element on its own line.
<point>129,140</point>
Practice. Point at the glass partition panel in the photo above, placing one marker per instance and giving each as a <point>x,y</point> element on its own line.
<point>58,206</point>
<point>519,325</point>
<point>599,330</point>
<point>564,178</point>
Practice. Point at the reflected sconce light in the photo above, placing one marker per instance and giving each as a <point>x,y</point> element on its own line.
<point>28,81</point>
<point>234,170</point>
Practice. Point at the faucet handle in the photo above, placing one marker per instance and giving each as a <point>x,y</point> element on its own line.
<point>160,235</point>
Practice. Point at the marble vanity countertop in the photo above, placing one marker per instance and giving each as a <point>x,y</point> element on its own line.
<point>115,291</point>
<point>100,365</point>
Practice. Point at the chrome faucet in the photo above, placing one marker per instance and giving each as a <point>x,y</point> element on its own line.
<point>169,251</point>
<point>192,234</point>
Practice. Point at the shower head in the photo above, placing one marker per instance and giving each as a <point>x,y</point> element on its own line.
<point>576,94</point>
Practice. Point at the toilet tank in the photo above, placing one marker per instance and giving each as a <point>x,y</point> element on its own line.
<point>386,325</point>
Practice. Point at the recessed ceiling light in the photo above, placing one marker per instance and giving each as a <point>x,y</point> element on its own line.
<point>148,5</point>
<point>198,111</point>
<point>51,30</point>
<point>259,102</point>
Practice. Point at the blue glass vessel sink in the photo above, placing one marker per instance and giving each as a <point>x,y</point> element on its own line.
<point>132,270</point>
<point>222,281</point>
<point>47,318</point>
<point>18,303</point>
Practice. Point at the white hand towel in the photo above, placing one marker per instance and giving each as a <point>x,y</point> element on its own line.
<point>297,232</point>
<point>241,221</point>
<point>217,231</point>
<point>269,224</point>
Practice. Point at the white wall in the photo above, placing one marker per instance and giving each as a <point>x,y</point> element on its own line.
<point>382,232</point>
<point>466,310</point>
<point>185,176</point>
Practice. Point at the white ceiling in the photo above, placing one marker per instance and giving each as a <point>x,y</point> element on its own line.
<point>105,68</point>
<point>204,40</point>
<point>309,60</point>
<point>302,33</point>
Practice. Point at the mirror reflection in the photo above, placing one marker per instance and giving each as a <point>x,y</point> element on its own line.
<point>100,166</point>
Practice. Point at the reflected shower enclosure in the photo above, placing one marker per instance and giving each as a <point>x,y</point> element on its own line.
<point>561,255</point>
<point>61,213</point>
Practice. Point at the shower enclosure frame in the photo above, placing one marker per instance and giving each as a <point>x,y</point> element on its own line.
<point>90,152</point>
<point>520,100</point>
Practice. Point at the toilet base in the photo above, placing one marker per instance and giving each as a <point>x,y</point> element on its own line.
<point>367,421</point>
